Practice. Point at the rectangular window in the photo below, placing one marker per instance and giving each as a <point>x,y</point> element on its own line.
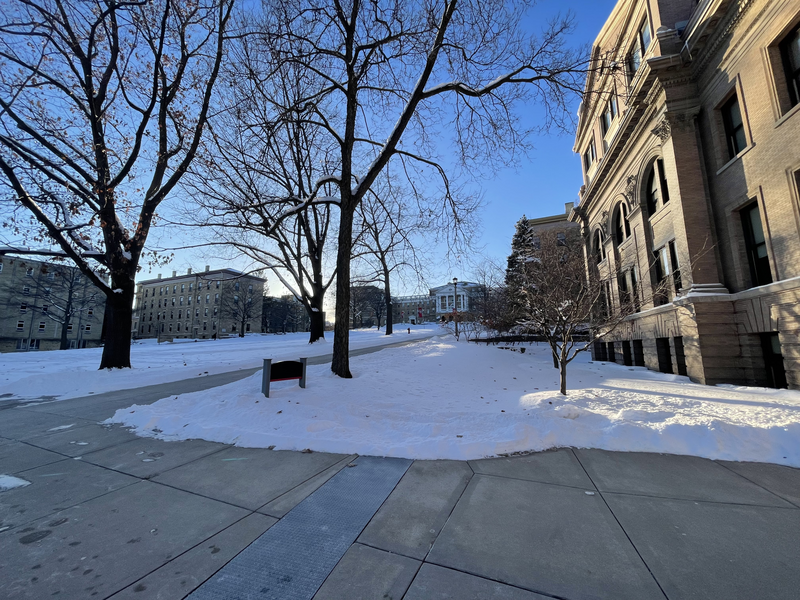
<point>69,327</point>
<point>20,325</point>
<point>90,312</point>
<point>217,284</point>
<point>589,156</point>
<point>790,55</point>
<point>26,291</point>
<point>216,298</point>
<point>23,308</point>
<point>45,308</point>
<point>608,115</point>
<point>208,298</point>
<point>561,238</point>
<point>755,244</point>
<point>174,289</point>
<point>676,272</point>
<point>640,46</point>
<point>42,325</point>
<point>734,126</point>
<point>29,272</point>
<point>51,275</point>
<point>183,287</point>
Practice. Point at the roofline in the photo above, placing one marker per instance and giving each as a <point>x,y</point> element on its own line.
<point>201,274</point>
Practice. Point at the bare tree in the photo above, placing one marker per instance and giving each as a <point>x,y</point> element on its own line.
<point>241,304</point>
<point>386,245</point>
<point>260,164</point>
<point>102,107</point>
<point>558,298</point>
<point>394,71</point>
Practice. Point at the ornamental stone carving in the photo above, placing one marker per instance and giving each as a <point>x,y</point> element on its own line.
<point>663,130</point>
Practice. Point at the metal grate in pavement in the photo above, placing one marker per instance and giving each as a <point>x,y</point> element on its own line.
<point>292,558</point>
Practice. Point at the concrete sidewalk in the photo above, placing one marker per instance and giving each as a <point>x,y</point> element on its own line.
<point>111,515</point>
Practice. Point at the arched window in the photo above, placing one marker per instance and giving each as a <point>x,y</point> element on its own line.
<point>622,227</point>
<point>598,250</point>
<point>656,191</point>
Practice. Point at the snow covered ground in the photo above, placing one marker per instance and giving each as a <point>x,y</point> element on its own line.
<point>74,373</point>
<point>442,399</point>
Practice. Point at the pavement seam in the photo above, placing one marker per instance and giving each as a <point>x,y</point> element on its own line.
<point>81,455</point>
<point>628,537</point>
<point>63,508</point>
<point>358,535</point>
<point>164,564</point>
<point>149,477</point>
<point>574,487</point>
<point>349,458</point>
<point>696,501</point>
<point>450,514</point>
<point>519,587</point>
<point>758,484</point>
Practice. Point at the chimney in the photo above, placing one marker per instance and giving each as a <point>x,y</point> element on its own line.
<point>159,276</point>
<point>189,271</point>
<point>568,206</point>
<point>174,273</point>
<point>207,268</point>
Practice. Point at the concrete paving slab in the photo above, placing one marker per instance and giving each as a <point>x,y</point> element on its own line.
<point>710,550</point>
<point>365,573</point>
<point>248,477</point>
<point>553,466</point>
<point>22,423</point>
<point>94,549</point>
<point>77,441</point>
<point>55,487</point>
<point>147,457</point>
<point>671,476</point>
<point>182,575</point>
<point>778,479</point>
<point>437,583</point>
<point>286,502</point>
<point>545,538</point>
<point>4,441</point>
<point>17,456</point>
<point>417,509</point>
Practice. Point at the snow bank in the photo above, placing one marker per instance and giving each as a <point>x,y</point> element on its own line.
<point>447,400</point>
<point>62,374</point>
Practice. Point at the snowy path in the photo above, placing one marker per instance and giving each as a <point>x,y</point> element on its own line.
<point>444,400</point>
<point>74,373</point>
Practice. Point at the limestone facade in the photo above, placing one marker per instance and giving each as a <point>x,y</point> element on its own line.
<point>690,138</point>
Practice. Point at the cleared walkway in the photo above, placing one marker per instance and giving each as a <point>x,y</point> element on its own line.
<point>111,515</point>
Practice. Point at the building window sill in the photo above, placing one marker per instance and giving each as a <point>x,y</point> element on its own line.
<point>725,167</point>
<point>789,114</point>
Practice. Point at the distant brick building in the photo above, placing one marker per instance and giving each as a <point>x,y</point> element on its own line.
<point>214,303</point>
<point>690,139</point>
<point>43,303</point>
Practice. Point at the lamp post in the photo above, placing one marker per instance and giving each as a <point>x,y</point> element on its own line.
<point>455,300</point>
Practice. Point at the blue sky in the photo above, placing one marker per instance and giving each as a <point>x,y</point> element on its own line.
<point>539,186</point>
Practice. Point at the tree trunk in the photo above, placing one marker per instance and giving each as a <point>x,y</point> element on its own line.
<point>67,315</point>
<point>340,363</point>
<point>317,321</point>
<point>119,307</point>
<point>555,361</point>
<point>563,372</point>
<point>387,296</point>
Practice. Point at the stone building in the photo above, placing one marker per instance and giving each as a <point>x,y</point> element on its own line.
<point>45,303</point>
<point>211,304</point>
<point>690,140</point>
<point>560,224</point>
<point>414,310</point>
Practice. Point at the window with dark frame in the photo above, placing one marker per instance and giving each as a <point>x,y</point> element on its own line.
<point>589,156</point>
<point>790,55</point>
<point>676,272</point>
<point>755,244</point>
<point>734,126</point>
<point>608,114</point>
<point>640,46</point>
